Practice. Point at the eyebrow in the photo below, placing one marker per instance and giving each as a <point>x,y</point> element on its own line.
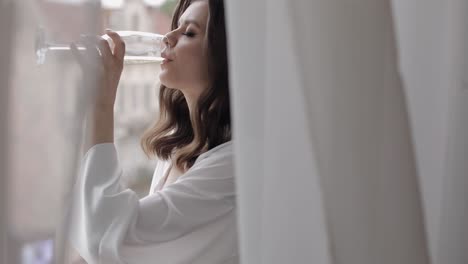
<point>190,21</point>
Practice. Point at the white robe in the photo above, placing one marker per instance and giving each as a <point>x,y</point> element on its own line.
<point>191,221</point>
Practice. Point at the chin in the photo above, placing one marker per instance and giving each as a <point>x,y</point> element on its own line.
<point>164,80</point>
<point>168,84</point>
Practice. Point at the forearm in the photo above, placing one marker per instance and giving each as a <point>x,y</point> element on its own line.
<point>100,124</point>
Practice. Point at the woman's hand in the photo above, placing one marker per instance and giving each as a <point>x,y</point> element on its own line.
<point>102,67</point>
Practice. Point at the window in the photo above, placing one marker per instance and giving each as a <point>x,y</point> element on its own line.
<point>135,22</point>
<point>43,121</point>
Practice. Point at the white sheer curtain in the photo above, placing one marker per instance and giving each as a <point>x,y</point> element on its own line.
<point>40,131</point>
<point>325,162</point>
<point>6,20</point>
<point>434,66</point>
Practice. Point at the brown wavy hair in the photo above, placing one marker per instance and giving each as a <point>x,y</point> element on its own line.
<point>179,134</point>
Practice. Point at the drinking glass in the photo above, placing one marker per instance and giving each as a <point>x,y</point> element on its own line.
<point>140,47</point>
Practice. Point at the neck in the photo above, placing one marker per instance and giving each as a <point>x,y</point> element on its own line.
<point>191,103</point>
<point>191,96</point>
<point>191,100</point>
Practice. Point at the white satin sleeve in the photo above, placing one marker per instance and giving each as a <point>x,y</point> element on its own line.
<point>106,217</point>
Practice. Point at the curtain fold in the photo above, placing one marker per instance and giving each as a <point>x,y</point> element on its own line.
<point>338,172</point>
<point>268,203</point>
<point>452,244</point>
<point>433,43</point>
<point>348,64</point>
<point>246,41</point>
<point>292,198</point>
<point>6,43</point>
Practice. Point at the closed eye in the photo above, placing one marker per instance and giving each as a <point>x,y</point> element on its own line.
<point>189,34</point>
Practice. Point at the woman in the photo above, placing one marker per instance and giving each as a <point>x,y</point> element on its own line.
<point>189,215</point>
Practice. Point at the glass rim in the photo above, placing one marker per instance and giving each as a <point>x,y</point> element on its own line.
<point>125,33</point>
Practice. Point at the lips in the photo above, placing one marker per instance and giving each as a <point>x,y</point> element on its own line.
<point>165,61</point>
<point>166,56</point>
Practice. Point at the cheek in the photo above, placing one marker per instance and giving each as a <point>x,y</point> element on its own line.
<point>194,62</point>
<point>194,69</point>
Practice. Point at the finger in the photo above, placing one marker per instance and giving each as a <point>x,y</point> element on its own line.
<point>92,53</point>
<point>92,43</point>
<point>119,45</point>
<point>106,52</point>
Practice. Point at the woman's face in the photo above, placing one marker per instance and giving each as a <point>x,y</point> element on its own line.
<point>186,64</point>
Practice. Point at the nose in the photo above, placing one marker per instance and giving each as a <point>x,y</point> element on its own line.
<point>168,40</point>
